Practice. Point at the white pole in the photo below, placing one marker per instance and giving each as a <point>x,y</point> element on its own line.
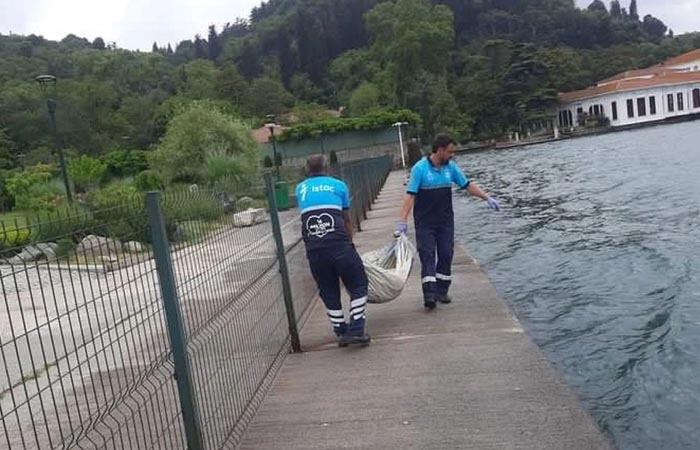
<point>403,159</point>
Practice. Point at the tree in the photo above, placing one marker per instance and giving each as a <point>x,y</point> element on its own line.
<point>198,79</point>
<point>615,9</point>
<point>86,172</point>
<point>200,47</point>
<point>214,44</point>
<point>231,86</point>
<point>169,51</point>
<point>634,13</point>
<point>364,99</point>
<point>198,134</point>
<point>155,48</point>
<point>410,36</point>
<point>599,7</point>
<point>267,96</point>
<point>98,44</point>
<point>7,156</point>
<point>654,27</point>
<point>303,88</point>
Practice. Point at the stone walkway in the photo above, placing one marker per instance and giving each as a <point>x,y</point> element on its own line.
<point>465,376</point>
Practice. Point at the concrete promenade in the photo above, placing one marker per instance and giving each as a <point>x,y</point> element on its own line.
<point>465,376</point>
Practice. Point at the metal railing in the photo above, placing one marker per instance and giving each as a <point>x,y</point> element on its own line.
<point>152,324</point>
<point>365,179</point>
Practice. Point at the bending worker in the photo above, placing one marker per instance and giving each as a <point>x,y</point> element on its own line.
<point>429,194</point>
<point>327,231</point>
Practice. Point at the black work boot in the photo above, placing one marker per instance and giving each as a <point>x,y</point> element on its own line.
<point>340,331</point>
<point>355,334</point>
<point>429,302</point>
<point>445,299</point>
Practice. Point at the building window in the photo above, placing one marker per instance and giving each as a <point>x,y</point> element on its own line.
<point>630,109</point>
<point>696,98</point>
<point>641,107</point>
<point>614,109</point>
<point>670,102</point>
<point>680,101</point>
<point>652,105</point>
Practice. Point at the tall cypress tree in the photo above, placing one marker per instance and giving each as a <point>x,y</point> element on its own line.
<point>200,47</point>
<point>634,13</point>
<point>214,43</point>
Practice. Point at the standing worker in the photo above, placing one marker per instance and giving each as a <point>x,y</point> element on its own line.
<point>327,231</point>
<point>429,194</point>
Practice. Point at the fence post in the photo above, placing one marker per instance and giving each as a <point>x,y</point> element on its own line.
<point>176,330</point>
<point>282,260</point>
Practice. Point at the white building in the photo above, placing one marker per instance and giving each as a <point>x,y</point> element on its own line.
<point>660,92</point>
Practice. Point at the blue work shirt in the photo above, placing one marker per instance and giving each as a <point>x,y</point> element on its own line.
<point>322,200</point>
<point>432,188</point>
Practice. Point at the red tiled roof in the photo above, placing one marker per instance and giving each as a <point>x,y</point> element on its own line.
<point>658,75</point>
<point>684,58</point>
<point>648,72</point>
<point>262,134</point>
<point>665,78</point>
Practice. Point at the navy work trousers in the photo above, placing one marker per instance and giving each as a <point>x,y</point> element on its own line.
<point>328,267</point>
<point>436,273</point>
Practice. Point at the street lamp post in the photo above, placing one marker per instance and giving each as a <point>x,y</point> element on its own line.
<point>403,158</point>
<point>48,87</point>
<point>271,126</point>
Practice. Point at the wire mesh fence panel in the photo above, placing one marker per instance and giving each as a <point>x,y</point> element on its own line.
<point>87,351</point>
<point>86,361</point>
<point>230,295</point>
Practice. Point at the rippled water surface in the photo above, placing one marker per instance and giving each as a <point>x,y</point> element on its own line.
<point>598,252</point>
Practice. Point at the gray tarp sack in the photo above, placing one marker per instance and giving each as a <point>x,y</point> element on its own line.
<point>388,269</point>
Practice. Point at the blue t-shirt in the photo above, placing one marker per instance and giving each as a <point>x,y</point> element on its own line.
<point>432,187</point>
<point>322,200</point>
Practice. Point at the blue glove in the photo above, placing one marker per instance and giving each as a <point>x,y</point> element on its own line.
<point>402,227</point>
<point>493,204</point>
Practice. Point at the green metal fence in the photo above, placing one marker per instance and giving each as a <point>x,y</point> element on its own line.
<point>364,179</point>
<point>344,141</point>
<point>157,323</point>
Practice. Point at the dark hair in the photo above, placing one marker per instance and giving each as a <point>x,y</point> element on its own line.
<point>442,141</point>
<point>316,164</point>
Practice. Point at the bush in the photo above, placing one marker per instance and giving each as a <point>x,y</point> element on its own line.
<point>219,167</point>
<point>183,207</point>
<point>63,223</point>
<point>124,163</point>
<point>86,172</point>
<point>119,212</point>
<point>149,180</point>
<point>371,121</point>
<point>14,238</point>
<point>33,190</point>
<point>66,246</point>
<point>267,162</point>
<point>200,132</point>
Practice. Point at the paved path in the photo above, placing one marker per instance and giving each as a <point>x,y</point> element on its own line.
<point>463,377</point>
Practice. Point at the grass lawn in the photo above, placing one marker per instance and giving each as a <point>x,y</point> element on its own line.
<point>9,219</point>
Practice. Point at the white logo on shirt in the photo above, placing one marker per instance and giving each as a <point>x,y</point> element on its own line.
<point>323,188</point>
<point>319,226</point>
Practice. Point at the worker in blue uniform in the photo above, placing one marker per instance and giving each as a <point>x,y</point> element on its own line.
<point>429,194</point>
<point>324,202</point>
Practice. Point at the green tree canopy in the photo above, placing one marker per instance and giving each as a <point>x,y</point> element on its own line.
<point>195,135</point>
